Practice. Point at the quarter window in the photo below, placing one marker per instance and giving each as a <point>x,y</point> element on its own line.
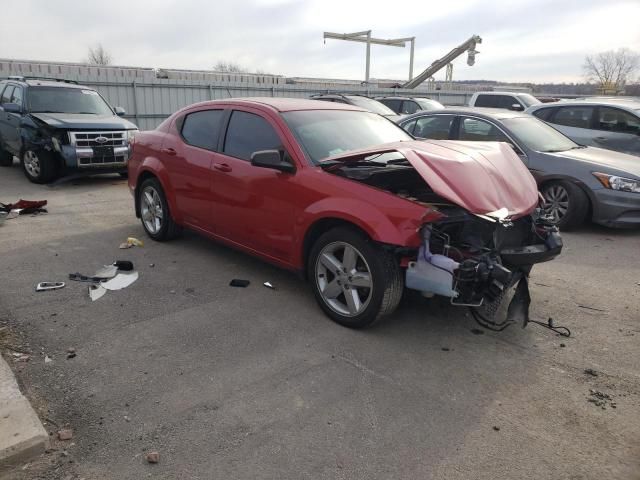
<point>436,127</point>
<point>578,117</point>
<point>248,133</point>
<point>201,129</point>
<point>479,130</point>
<point>616,120</point>
<point>6,95</point>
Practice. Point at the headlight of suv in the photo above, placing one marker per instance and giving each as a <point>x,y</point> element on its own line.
<point>131,134</point>
<point>614,182</point>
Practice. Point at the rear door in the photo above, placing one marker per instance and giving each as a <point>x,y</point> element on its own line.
<point>575,121</point>
<point>254,206</point>
<point>8,130</point>
<point>617,129</point>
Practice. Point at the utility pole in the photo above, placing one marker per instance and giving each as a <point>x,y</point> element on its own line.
<point>365,37</point>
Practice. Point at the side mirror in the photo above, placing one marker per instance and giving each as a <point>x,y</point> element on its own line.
<point>12,108</point>
<point>516,106</point>
<point>121,112</point>
<point>273,159</point>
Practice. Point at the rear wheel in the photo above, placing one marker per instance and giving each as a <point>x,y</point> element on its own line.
<point>39,166</point>
<point>154,211</point>
<point>565,203</point>
<point>355,282</point>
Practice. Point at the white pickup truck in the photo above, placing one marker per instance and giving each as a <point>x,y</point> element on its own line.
<point>508,100</point>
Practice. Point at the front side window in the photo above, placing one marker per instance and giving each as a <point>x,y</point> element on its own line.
<point>409,107</point>
<point>6,95</point>
<point>436,127</point>
<point>616,120</point>
<point>201,129</point>
<point>325,133</point>
<point>508,102</point>
<point>578,117</point>
<point>67,100</point>
<point>392,103</point>
<point>16,97</point>
<point>478,130</point>
<point>248,133</point>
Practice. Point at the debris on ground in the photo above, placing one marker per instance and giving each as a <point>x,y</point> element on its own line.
<point>445,349</point>
<point>477,331</point>
<point>71,353</point>
<point>44,286</point>
<point>590,371</point>
<point>586,307</point>
<point>96,292</point>
<point>123,265</point>
<point>152,457</point>
<point>131,242</point>
<point>496,428</point>
<point>48,359</point>
<point>65,434</point>
<point>120,281</point>
<point>23,207</point>
<point>151,265</point>
<point>562,345</point>
<point>269,285</point>
<point>237,282</point>
<point>601,399</point>
<point>20,357</point>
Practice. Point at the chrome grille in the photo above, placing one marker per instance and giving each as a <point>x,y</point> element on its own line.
<point>98,139</point>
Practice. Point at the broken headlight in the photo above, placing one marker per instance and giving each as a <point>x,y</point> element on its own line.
<point>614,182</point>
<point>131,135</point>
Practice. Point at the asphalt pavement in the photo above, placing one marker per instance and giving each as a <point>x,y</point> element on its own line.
<point>257,383</point>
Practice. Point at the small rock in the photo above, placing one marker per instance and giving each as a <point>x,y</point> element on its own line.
<point>172,292</point>
<point>445,349</point>
<point>71,350</point>
<point>497,429</point>
<point>47,359</point>
<point>590,371</point>
<point>477,331</point>
<point>152,457</point>
<point>65,434</point>
<point>152,265</point>
<point>562,345</point>
<point>126,418</point>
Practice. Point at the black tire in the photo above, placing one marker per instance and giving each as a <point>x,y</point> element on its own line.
<point>39,166</point>
<point>168,228</point>
<point>6,158</point>
<point>576,204</point>
<point>386,279</point>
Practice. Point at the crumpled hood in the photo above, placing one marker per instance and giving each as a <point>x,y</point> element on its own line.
<point>84,121</point>
<point>609,158</point>
<point>481,177</point>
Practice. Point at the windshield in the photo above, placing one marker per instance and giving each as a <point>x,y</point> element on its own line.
<point>428,104</point>
<point>537,135</point>
<point>371,105</point>
<point>528,100</point>
<point>324,133</point>
<point>66,100</point>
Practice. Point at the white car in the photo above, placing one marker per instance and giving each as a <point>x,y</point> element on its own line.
<point>516,101</point>
<point>611,123</point>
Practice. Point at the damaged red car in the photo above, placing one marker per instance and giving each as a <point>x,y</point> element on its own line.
<point>350,201</point>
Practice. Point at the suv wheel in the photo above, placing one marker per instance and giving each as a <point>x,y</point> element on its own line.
<point>354,281</point>
<point>154,211</point>
<point>39,166</point>
<point>6,158</point>
<point>565,203</point>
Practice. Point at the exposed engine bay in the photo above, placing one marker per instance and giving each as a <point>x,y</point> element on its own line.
<point>481,261</point>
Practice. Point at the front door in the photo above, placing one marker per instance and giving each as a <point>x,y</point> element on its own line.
<point>9,123</point>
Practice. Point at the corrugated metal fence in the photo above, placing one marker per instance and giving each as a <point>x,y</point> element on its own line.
<point>148,100</point>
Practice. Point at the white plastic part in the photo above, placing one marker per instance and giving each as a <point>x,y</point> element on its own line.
<point>96,292</point>
<point>431,273</point>
<point>120,281</point>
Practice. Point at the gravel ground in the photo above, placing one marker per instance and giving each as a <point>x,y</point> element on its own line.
<point>256,383</point>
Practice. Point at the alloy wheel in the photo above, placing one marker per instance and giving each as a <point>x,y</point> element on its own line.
<point>344,279</point>
<point>32,163</point>
<point>556,202</point>
<point>151,210</point>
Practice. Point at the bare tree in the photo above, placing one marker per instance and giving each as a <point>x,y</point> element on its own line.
<point>229,67</point>
<point>612,67</point>
<point>98,56</point>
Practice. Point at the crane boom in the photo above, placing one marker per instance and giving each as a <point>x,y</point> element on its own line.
<point>469,45</point>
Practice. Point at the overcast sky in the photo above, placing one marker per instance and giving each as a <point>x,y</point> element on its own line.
<point>523,40</point>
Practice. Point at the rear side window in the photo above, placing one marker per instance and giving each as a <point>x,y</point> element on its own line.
<point>248,133</point>
<point>616,120</point>
<point>491,101</point>
<point>201,129</point>
<point>578,117</point>
<point>393,104</point>
<point>479,130</point>
<point>6,95</point>
<point>436,127</point>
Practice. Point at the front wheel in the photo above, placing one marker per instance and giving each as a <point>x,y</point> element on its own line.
<point>565,203</point>
<point>354,281</point>
<point>39,166</point>
<point>154,211</point>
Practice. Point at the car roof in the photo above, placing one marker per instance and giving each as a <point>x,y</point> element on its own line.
<point>628,103</point>
<point>285,104</point>
<point>489,113</point>
<point>502,92</point>
<point>36,82</point>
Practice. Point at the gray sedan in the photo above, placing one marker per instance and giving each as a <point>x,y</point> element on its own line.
<point>576,181</point>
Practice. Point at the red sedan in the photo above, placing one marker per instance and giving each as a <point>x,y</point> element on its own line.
<point>350,201</point>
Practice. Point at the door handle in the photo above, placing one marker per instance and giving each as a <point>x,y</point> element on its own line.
<point>169,151</point>
<point>223,167</point>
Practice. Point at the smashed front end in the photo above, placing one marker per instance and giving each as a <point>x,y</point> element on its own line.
<point>483,262</point>
<point>483,228</point>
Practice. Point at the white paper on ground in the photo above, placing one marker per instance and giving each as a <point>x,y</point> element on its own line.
<point>96,292</point>
<point>108,271</point>
<point>120,281</point>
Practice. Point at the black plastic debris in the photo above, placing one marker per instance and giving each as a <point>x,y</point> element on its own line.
<point>124,265</point>
<point>237,282</point>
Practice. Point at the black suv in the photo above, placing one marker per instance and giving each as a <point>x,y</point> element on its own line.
<point>55,126</point>
<point>359,101</point>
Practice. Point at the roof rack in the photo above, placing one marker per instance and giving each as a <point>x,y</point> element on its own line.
<point>22,78</point>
